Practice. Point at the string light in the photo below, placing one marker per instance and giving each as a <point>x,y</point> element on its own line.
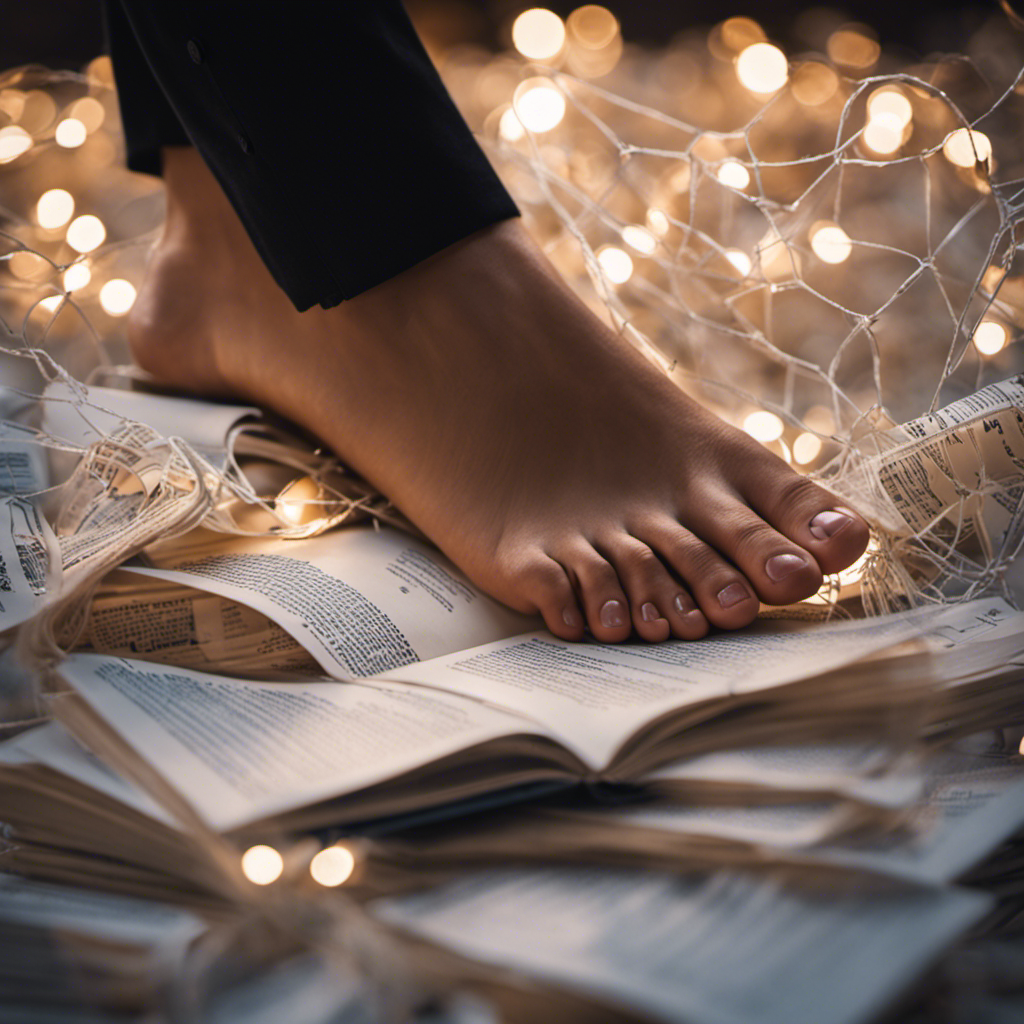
<point>762,68</point>
<point>539,105</point>
<point>778,260</point>
<point>830,243</point>
<point>640,239</point>
<point>813,83</point>
<point>852,48</point>
<point>14,141</point>
<point>616,264</point>
<point>333,866</point>
<point>294,503</point>
<point>739,33</point>
<point>510,128</point>
<point>538,34</point>
<point>90,112</point>
<point>989,337</point>
<point>86,233</point>
<point>891,101</point>
<point>820,419</point>
<point>55,208</point>
<point>262,865</point>
<point>734,174</point>
<point>763,426</point>
<point>117,296</point>
<point>78,275</point>
<point>593,26</point>
<point>658,221</point>
<point>29,266</point>
<point>70,133</point>
<point>965,147</point>
<point>806,448</point>
<point>51,302</point>
<point>740,260</point>
<point>884,133</point>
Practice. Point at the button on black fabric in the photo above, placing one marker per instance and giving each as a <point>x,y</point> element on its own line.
<point>243,143</point>
<point>194,52</point>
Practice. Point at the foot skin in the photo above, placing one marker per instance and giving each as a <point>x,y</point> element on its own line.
<point>551,462</point>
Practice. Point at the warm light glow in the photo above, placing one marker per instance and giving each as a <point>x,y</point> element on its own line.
<point>965,147</point>
<point>763,426</point>
<point>806,448</point>
<point>55,208</point>
<point>679,180</point>
<point>657,221</point>
<point>333,866</point>
<point>762,68</point>
<point>740,33</point>
<point>616,264</point>
<point>78,275</point>
<point>831,243</point>
<point>538,34</point>
<point>14,141</point>
<point>29,266</point>
<point>989,337</point>
<point>889,100</point>
<point>740,260</point>
<point>852,48</point>
<point>86,233</point>
<point>262,865</point>
<point>820,418</point>
<point>51,302</point>
<point>778,260</point>
<point>814,83</point>
<point>734,174</point>
<point>89,111</point>
<point>884,133</point>
<point>70,133</point>
<point>12,103</point>
<point>510,128</point>
<point>295,502</point>
<point>539,105</point>
<point>117,296</point>
<point>593,26</point>
<point>640,239</point>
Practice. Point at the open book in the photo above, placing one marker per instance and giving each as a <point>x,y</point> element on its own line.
<point>253,758</point>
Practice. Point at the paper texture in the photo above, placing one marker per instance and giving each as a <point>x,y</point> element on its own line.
<point>29,564</point>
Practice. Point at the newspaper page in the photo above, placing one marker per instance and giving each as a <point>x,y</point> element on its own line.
<point>701,949</point>
<point>600,694</point>
<point>241,751</point>
<point>29,562</point>
<point>362,601</point>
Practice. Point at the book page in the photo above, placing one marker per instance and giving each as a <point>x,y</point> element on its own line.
<point>361,601</point>
<point>29,563</point>
<point>707,949</point>
<point>596,695</point>
<point>240,751</point>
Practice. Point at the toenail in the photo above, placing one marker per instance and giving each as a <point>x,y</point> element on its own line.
<point>650,613</point>
<point>571,619</point>
<point>732,594</point>
<point>828,524</point>
<point>780,566</point>
<point>684,605</point>
<point>613,614</point>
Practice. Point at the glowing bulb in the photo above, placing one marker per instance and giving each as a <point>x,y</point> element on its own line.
<point>831,243</point>
<point>852,48</point>
<point>510,128</point>
<point>989,337</point>
<point>89,111</point>
<point>740,260</point>
<point>70,133</point>
<point>964,147</point>
<point>640,239</point>
<point>55,208</point>
<point>814,83</point>
<point>262,865</point>
<point>820,418</point>
<point>538,34</point>
<point>762,68</point>
<point>86,233</point>
<point>884,133</point>
<point>616,264</point>
<point>890,101</point>
<point>778,261</point>
<point>29,266</point>
<point>78,275</point>
<point>296,501</point>
<point>657,221</point>
<point>739,33</point>
<point>806,448</point>
<point>51,302</point>
<point>14,141</point>
<point>593,26</point>
<point>117,296</point>
<point>539,105</point>
<point>734,174</point>
<point>333,866</point>
<point>679,180</point>
<point>763,426</point>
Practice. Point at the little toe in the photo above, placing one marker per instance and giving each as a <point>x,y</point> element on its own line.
<point>547,588</point>
<point>723,596</point>
<point>647,583</point>
<point>603,599</point>
<point>811,517</point>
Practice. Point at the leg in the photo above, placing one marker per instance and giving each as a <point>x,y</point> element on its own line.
<point>456,386</point>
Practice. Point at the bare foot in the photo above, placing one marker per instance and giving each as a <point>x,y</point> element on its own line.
<point>560,470</point>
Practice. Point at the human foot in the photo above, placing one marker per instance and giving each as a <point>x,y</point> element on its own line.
<point>549,460</point>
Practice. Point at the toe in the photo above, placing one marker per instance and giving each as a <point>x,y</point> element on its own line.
<point>647,584</point>
<point>723,595</point>
<point>808,515</point>
<point>546,588</point>
<point>604,601</point>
